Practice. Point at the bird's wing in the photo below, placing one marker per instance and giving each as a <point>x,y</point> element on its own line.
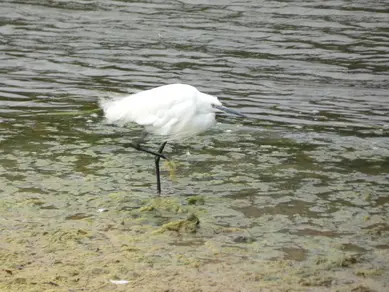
<point>158,108</point>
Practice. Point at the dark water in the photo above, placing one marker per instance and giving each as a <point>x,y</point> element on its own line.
<point>312,159</point>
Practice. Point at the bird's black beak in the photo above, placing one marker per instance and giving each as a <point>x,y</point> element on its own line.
<point>228,110</point>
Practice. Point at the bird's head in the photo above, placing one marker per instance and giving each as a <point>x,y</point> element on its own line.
<point>212,103</point>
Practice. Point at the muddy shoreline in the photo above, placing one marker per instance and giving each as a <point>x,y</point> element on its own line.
<point>166,244</point>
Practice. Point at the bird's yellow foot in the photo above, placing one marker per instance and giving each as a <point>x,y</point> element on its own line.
<point>171,166</point>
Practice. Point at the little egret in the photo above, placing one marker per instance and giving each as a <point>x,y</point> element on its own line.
<point>174,112</point>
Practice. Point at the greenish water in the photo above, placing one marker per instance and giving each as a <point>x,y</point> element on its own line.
<point>294,197</point>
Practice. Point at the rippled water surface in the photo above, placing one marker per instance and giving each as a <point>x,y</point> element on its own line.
<point>304,179</point>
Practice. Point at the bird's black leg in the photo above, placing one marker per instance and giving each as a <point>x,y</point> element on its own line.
<point>157,158</point>
<point>139,147</point>
<point>158,155</point>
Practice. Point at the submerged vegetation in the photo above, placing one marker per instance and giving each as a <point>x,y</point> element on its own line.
<point>160,243</point>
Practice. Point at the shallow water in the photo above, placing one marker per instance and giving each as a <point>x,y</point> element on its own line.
<point>306,176</point>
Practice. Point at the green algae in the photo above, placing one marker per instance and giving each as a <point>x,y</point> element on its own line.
<point>279,221</point>
<point>196,200</point>
<point>190,225</point>
<point>125,243</point>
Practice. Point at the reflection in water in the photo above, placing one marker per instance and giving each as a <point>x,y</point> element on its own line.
<point>305,176</point>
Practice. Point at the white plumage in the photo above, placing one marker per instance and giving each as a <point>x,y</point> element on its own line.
<point>175,111</point>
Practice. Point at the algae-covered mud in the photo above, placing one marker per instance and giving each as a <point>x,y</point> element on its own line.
<point>293,198</point>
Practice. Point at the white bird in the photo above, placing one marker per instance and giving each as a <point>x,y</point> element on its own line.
<point>173,111</point>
